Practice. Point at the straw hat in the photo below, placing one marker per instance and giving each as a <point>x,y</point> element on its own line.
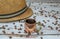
<point>12,10</point>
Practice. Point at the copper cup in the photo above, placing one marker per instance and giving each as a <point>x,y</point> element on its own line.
<point>30,25</point>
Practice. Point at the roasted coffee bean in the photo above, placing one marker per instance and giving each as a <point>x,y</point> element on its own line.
<point>0,27</point>
<point>21,35</point>
<point>42,14</point>
<point>56,28</point>
<point>3,27</point>
<point>15,27</point>
<point>44,7</point>
<point>49,15</point>
<point>44,21</point>
<point>59,30</point>
<point>41,37</point>
<point>21,24</point>
<point>6,25</point>
<point>19,28</point>
<point>34,17</point>
<point>10,37</point>
<point>43,25</point>
<point>45,15</point>
<point>8,29</point>
<point>50,27</point>
<point>52,22</point>
<point>48,20</point>
<point>12,32</point>
<point>4,31</point>
<point>58,24</point>
<point>57,12</point>
<point>14,23</point>
<point>59,18</point>
<point>19,32</point>
<point>41,33</point>
<point>55,17</point>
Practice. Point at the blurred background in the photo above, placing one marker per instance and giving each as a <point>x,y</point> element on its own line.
<point>44,1</point>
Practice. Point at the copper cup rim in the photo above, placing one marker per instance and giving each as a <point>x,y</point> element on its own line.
<point>30,21</point>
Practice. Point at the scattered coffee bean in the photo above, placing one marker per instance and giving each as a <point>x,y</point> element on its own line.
<point>52,10</point>
<point>59,30</point>
<point>59,18</point>
<point>21,24</point>
<point>19,28</point>
<point>52,22</point>
<point>15,27</point>
<point>12,32</point>
<point>45,15</point>
<point>4,31</point>
<point>57,12</point>
<point>0,27</point>
<point>48,20</point>
<point>55,17</point>
<point>44,7</point>
<point>21,35</point>
<point>14,23</point>
<point>56,28</point>
<point>59,25</point>
<point>8,29</point>
<point>3,27</point>
<point>41,37</point>
<point>6,25</point>
<point>34,17</point>
<point>19,32</point>
<point>10,37</point>
<point>41,13</point>
<point>49,15</point>
<point>50,27</point>
<point>41,33</point>
<point>44,21</point>
<point>55,23</point>
<point>43,25</point>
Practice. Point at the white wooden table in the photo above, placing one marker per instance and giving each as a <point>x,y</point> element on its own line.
<point>43,13</point>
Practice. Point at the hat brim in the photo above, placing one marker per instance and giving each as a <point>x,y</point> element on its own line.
<point>26,14</point>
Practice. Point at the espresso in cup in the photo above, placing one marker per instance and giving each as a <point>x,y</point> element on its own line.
<point>30,25</point>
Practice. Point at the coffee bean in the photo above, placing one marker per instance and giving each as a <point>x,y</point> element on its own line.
<point>48,20</point>
<point>59,30</point>
<point>59,18</point>
<point>4,31</point>
<point>19,28</point>
<point>21,35</point>
<point>34,17</point>
<point>21,24</point>
<point>58,24</point>
<point>19,32</point>
<point>43,25</point>
<point>41,33</point>
<point>44,21</point>
<point>14,23</point>
<point>10,37</point>
<point>56,28</point>
<point>50,27</point>
<point>45,15</point>
<point>8,29</point>
<point>3,27</point>
<point>6,25</point>
<point>15,27</point>
<point>12,32</point>
<point>41,37</point>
